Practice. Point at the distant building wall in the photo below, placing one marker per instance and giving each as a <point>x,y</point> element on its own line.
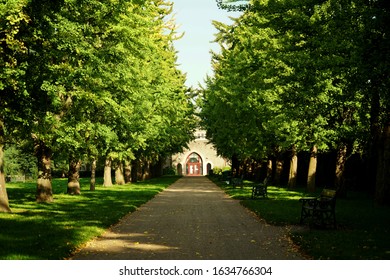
<point>199,158</point>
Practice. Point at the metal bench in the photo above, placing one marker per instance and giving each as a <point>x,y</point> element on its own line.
<point>238,181</point>
<point>319,211</point>
<point>260,189</point>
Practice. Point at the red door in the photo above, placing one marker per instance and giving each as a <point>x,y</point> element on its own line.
<point>193,169</point>
<point>194,165</point>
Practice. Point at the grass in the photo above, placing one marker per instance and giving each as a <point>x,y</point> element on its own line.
<point>36,231</point>
<point>55,230</point>
<point>363,230</point>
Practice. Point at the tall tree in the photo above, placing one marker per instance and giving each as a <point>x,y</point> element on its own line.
<point>12,85</point>
<point>375,71</point>
<point>98,78</point>
<point>290,75</point>
<point>4,205</point>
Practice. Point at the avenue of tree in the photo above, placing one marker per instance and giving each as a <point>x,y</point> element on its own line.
<point>308,76</point>
<point>86,79</point>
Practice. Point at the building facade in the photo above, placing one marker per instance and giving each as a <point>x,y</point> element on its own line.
<point>199,158</point>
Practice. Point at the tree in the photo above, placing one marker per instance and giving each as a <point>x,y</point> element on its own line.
<point>94,78</point>
<point>374,73</point>
<point>233,5</point>
<point>4,205</point>
<point>12,86</point>
<point>164,122</point>
<point>291,74</point>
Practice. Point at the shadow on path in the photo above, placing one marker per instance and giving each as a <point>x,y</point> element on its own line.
<point>193,219</point>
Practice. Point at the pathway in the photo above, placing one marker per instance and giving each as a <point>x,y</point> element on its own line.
<point>192,219</point>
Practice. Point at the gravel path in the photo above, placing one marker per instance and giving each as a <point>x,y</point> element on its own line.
<point>193,219</point>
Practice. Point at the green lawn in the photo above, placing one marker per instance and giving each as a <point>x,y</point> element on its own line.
<point>363,230</point>
<point>55,230</point>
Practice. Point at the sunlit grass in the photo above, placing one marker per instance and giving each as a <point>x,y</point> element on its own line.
<point>54,230</point>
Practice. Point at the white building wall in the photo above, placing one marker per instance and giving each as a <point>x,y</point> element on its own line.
<point>204,149</point>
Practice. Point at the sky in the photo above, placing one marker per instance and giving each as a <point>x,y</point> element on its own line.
<point>194,18</point>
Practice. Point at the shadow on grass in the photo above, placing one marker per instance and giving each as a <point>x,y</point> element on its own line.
<point>55,230</point>
<point>362,232</point>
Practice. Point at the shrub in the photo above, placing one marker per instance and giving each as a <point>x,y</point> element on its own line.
<point>169,171</point>
<point>217,171</point>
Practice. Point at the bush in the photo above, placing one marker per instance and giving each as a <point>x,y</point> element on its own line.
<point>223,173</point>
<point>226,168</point>
<point>217,171</point>
<point>19,162</point>
<point>169,171</point>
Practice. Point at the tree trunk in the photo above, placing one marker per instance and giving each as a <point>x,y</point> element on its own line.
<point>279,169</point>
<point>127,171</point>
<point>44,187</point>
<point>107,180</point>
<point>158,169</point>
<point>92,184</point>
<point>134,171</point>
<point>4,205</point>
<point>145,170</point>
<point>292,178</point>
<point>235,166</point>
<point>375,135</point>
<point>74,176</point>
<point>382,190</point>
<point>340,167</point>
<point>269,168</point>
<point>119,178</point>
<point>311,175</point>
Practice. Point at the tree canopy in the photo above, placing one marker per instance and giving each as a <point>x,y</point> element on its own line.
<point>88,78</point>
<point>300,74</point>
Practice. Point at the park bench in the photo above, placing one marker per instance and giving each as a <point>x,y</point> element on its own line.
<point>226,176</point>
<point>260,189</point>
<point>319,211</point>
<point>15,178</point>
<point>238,181</point>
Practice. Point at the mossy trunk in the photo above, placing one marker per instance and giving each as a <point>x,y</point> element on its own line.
<point>44,186</point>
<point>4,205</point>
<point>119,177</point>
<point>74,177</point>
<point>292,178</point>
<point>92,184</point>
<point>107,180</point>
<point>311,175</point>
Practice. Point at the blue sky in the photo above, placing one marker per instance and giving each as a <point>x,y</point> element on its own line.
<point>194,18</point>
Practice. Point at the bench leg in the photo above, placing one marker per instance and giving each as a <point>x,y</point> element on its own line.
<point>324,219</point>
<point>306,213</point>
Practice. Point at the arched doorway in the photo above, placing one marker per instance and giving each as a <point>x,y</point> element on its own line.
<point>208,168</point>
<point>194,165</point>
<point>179,169</point>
